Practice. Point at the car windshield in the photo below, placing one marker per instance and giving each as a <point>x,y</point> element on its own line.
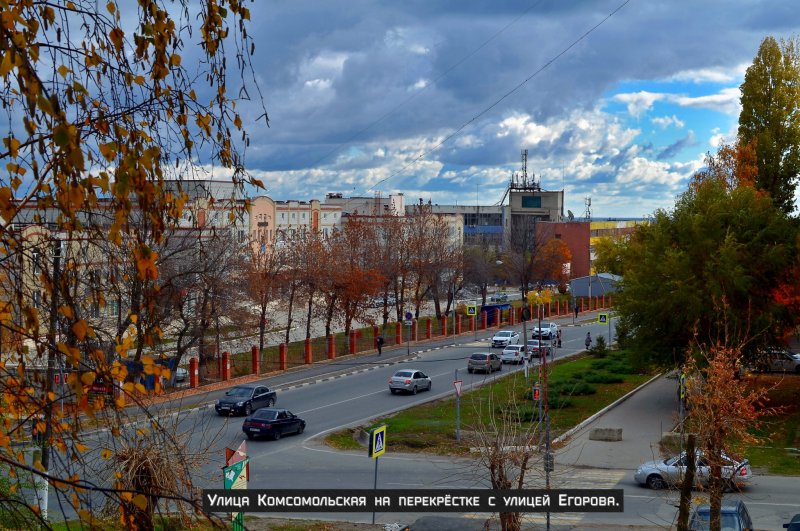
<point>533,343</point>
<point>403,374</point>
<point>266,414</point>
<point>239,391</point>
<point>478,356</point>
<point>503,334</point>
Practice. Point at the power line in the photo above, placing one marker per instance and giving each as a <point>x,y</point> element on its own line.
<point>503,97</point>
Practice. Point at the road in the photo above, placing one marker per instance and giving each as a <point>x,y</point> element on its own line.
<point>331,403</point>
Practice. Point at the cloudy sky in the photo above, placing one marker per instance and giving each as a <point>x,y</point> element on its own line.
<point>615,101</point>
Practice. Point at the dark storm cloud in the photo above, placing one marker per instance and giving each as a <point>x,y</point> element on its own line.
<point>362,84</point>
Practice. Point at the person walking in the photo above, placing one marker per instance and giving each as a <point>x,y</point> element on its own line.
<point>379,342</point>
<point>576,310</point>
<point>558,338</point>
<point>588,341</point>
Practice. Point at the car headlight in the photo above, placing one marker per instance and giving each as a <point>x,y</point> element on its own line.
<point>239,404</point>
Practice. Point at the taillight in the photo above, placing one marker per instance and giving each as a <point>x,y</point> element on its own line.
<point>408,381</point>
<point>390,380</point>
<point>743,472</point>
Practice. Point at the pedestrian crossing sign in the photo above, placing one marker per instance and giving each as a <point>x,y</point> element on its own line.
<point>472,309</point>
<point>377,441</point>
<point>602,317</point>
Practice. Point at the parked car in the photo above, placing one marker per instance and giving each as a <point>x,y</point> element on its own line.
<point>181,374</point>
<point>733,516</point>
<point>547,331</point>
<point>780,360</point>
<point>515,354</point>
<point>665,473</point>
<point>487,362</point>
<point>500,296</point>
<point>503,338</point>
<point>410,381</point>
<point>794,523</point>
<point>245,399</point>
<point>272,422</point>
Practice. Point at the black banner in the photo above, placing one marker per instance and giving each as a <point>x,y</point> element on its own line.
<point>405,501</point>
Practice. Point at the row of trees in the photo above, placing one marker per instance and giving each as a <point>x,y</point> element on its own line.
<point>711,282</point>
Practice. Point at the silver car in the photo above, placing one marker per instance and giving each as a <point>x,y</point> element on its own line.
<point>665,473</point>
<point>514,354</point>
<point>780,360</point>
<point>409,381</point>
<point>487,362</point>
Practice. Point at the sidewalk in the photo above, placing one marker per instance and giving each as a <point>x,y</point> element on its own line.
<point>643,417</point>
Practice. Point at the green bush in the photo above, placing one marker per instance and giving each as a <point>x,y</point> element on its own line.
<point>602,377</point>
<point>600,348</point>
<point>560,402</point>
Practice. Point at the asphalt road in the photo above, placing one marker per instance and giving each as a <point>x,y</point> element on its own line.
<point>329,403</point>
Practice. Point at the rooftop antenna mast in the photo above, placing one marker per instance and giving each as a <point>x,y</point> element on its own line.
<point>588,213</point>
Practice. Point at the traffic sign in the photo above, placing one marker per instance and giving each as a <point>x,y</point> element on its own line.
<point>409,316</point>
<point>457,385</point>
<point>472,309</point>
<point>377,441</point>
<point>602,318</point>
<point>536,393</point>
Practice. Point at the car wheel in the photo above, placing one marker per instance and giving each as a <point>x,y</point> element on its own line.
<point>248,409</point>
<point>276,436</point>
<point>393,391</point>
<point>656,482</point>
<point>469,370</point>
<point>301,429</point>
<point>414,390</point>
<point>500,367</point>
<point>271,402</point>
<point>430,384</point>
<point>250,436</point>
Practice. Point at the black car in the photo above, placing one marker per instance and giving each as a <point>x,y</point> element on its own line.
<point>794,523</point>
<point>272,422</point>
<point>244,399</point>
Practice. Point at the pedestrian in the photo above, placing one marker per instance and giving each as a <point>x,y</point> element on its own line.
<point>588,341</point>
<point>558,338</point>
<point>379,342</point>
<point>576,310</point>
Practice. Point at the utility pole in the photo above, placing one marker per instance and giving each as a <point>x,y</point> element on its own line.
<point>548,458</point>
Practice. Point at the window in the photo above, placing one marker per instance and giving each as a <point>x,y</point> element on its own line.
<point>530,201</point>
<point>35,261</point>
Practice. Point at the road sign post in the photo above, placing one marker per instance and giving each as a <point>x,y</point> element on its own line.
<point>409,322</point>
<point>235,475</point>
<point>377,447</point>
<point>457,384</point>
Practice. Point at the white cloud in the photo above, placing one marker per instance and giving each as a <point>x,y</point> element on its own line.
<point>725,101</point>
<point>639,102</point>
<point>717,74</point>
<point>666,121</point>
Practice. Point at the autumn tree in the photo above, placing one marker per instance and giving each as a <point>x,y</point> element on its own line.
<point>103,112</point>
<point>770,117</point>
<point>479,266</point>
<point>717,244</point>
<point>266,260</point>
<point>722,411</point>
<point>548,264</point>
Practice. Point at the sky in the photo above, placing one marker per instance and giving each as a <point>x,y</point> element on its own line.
<point>616,102</point>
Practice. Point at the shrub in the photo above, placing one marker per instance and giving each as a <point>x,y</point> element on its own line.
<point>599,349</point>
<point>602,377</point>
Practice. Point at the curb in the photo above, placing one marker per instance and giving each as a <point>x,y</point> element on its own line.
<point>609,407</point>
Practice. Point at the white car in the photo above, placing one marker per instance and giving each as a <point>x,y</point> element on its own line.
<point>514,354</point>
<point>503,338</point>
<point>547,331</point>
<point>780,360</point>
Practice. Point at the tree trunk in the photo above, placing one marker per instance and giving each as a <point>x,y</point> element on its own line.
<point>308,313</point>
<point>686,486</point>
<point>289,314</point>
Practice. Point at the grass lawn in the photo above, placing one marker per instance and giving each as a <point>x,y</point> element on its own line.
<point>579,387</point>
<point>783,430</point>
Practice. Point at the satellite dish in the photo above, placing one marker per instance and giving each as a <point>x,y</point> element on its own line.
<point>570,215</point>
